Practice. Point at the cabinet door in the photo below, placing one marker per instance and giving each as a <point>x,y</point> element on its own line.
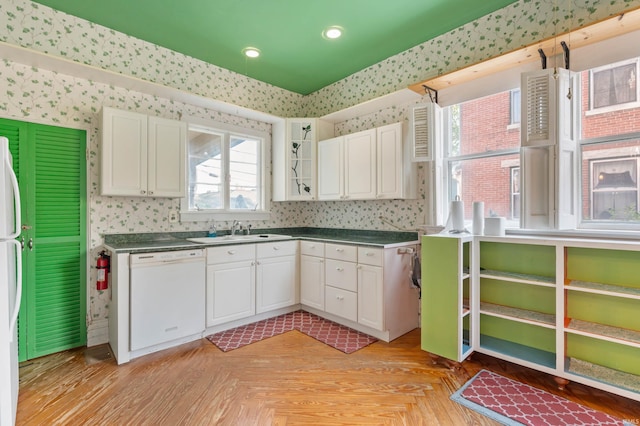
<point>124,153</point>
<point>370,296</point>
<point>276,283</point>
<point>360,165</point>
<point>331,169</point>
<point>389,161</point>
<point>312,281</point>
<point>230,292</point>
<point>166,157</point>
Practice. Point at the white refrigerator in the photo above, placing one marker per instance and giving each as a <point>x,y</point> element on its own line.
<point>10,285</point>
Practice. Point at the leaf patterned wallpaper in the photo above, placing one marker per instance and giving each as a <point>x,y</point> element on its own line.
<point>42,96</point>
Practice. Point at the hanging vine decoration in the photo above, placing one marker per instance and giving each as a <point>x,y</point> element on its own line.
<point>296,162</point>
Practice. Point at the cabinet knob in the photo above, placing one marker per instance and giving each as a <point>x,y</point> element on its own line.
<point>339,269</point>
<point>143,192</point>
<point>150,192</point>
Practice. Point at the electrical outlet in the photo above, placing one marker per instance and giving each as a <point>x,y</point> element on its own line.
<point>173,217</point>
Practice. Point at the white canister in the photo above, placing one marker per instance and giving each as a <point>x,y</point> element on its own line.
<point>478,217</point>
<point>494,226</point>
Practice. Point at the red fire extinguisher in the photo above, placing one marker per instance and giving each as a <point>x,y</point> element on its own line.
<point>102,266</point>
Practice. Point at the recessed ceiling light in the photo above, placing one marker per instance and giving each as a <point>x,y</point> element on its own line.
<point>251,52</point>
<point>332,32</point>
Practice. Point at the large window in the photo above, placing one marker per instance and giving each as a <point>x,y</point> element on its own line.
<point>482,155</point>
<point>610,146</point>
<point>225,173</point>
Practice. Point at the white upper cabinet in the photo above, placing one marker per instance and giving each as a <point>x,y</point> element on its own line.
<point>295,158</point>
<point>360,165</point>
<point>365,165</point>
<point>141,155</point>
<point>331,169</point>
<point>390,162</point>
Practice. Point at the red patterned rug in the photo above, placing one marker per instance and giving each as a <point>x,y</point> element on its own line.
<point>514,403</point>
<point>335,335</point>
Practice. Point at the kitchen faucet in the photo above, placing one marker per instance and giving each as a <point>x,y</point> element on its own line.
<point>236,226</point>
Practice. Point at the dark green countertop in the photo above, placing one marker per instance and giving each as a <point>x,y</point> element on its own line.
<point>146,242</point>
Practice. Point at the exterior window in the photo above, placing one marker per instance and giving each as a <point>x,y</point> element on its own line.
<point>481,154</point>
<point>610,146</point>
<point>225,172</point>
<point>515,106</point>
<point>614,85</point>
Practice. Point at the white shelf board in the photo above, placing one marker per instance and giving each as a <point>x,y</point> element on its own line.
<point>519,278</point>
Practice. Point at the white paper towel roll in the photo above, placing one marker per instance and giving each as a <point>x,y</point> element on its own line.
<point>478,217</point>
<point>457,215</point>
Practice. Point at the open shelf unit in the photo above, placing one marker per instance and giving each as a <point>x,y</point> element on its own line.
<point>601,322</point>
<point>568,307</point>
<point>446,272</point>
<point>516,306</point>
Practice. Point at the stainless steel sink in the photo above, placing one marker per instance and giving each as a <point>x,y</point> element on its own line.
<point>226,239</point>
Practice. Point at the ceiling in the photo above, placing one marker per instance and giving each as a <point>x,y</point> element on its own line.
<point>294,54</point>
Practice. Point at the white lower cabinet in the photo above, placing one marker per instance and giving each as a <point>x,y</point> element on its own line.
<point>231,283</point>
<point>248,279</point>
<point>370,296</point>
<point>276,279</point>
<point>312,274</point>
<point>366,288</point>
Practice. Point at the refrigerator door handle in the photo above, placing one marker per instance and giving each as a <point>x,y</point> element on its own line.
<point>16,306</point>
<point>16,203</point>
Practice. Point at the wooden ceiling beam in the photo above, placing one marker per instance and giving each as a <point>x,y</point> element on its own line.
<point>620,24</point>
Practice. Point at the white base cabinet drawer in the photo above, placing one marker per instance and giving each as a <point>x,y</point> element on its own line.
<point>278,248</point>
<point>341,252</point>
<point>341,302</point>
<point>370,256</point>
<point>340,274</point>
<point>231,253</point>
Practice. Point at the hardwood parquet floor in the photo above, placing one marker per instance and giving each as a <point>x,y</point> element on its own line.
<point>290,379</point>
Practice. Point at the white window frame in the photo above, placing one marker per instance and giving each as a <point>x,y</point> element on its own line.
<point>227,131</point>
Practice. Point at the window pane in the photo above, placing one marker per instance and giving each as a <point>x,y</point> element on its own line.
<point>482,125</point>
<point>494,180</point>
<point>205,171</point>
<point>614,86</point>
<point>610,181</point>
<point>243,173</point>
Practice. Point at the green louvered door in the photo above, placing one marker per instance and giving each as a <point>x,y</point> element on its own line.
<point>51,171</point>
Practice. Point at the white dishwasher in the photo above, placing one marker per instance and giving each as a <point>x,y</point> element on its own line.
<point>167,296</point>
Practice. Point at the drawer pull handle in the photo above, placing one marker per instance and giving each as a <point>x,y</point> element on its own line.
<point>276,248</point>
<point>231,251</point>
<point>369,253</point>
<point>339,250</point>
<point>339,297</point>
<point>339,269</point>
